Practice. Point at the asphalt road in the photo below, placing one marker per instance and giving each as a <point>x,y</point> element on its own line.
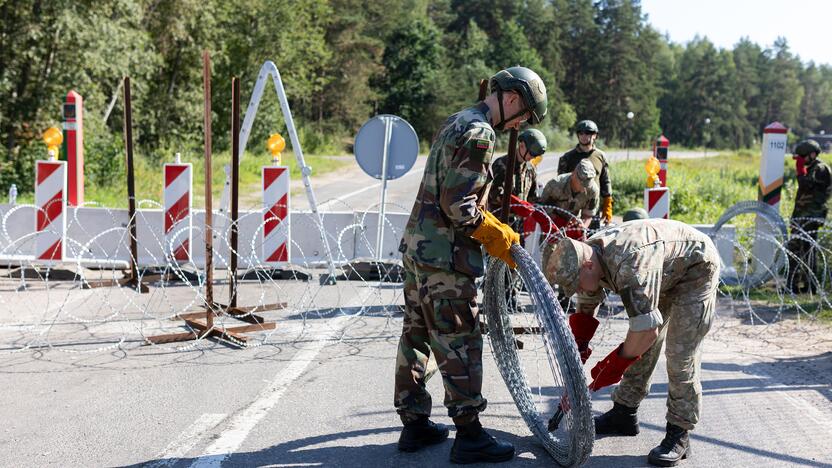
<point>350,189</point>
<point>79,388</point>
<point>317,391</point>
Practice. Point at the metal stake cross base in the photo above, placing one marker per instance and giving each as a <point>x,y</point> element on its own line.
<point>127,282</point>
<point>206,329</point>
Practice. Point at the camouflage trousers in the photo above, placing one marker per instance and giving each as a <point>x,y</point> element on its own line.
<point>804,258</point>
<point>440,318</point>
<point>688,313</point>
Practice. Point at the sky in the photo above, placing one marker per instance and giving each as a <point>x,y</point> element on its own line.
<point>803,23</point>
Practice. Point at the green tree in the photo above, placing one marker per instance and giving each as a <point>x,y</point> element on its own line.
<point>412,62</point>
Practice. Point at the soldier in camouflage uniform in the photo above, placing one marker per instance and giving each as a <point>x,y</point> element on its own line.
<point>587,132</point>
<point>442,255</point>
<point>667,274</point>
<point>531,144</point>
<point>814,185</point>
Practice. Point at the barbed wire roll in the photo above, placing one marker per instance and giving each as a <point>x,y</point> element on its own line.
<point>572,444</point>
<point>773,218</point>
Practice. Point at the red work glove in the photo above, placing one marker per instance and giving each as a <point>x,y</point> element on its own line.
<point>800,165</point>
<point>583,329</point>
<point>610,370</point>
<point>575,230</point>
<point>525,209</point>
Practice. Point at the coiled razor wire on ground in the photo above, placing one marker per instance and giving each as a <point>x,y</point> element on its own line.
<point>40,311</point>
<point>764,211</point>
<point>45,310</point>
<point>572,443</point>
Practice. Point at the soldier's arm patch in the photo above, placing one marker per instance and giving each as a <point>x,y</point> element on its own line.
<point>479,149</point>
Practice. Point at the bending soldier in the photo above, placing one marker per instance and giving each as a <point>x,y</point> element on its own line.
<point>442,255</point>
<point>587,132</point>
<point>667,274</point>
<point>814,185</point>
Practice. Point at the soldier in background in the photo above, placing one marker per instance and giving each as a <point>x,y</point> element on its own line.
<point>442,255</point>
<point>814,185</point>
<point>587,132</point>
<point>667,274</point>
<point>531,143</point>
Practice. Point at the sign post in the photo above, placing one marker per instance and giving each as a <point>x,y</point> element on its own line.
<point>73,114</point>
<point>775,137</point>
<point>385,147</point>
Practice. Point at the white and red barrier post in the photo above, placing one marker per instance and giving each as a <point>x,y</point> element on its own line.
<point>50,220</point>
<point>276,215</point>
<point>657,195</point>
<point>178,203</point>
<point>657,202</point>
<point>775,137</point>
<point>660,151</point>
<point>775,142</point>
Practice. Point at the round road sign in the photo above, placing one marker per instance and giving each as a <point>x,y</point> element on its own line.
<point>402,149</point>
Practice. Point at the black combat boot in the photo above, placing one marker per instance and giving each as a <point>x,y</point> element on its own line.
<point>674,448</point>
<point>421,433</point>
<point>620,420</point>
<point>474,445</point>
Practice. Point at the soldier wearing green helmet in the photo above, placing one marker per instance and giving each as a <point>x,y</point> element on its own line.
<point>531,144</point>
<point>814,186</point>
<point>587,132</point>
<point>442,255</point>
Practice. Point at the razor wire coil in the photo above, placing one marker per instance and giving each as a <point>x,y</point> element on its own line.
<point>575,445</point>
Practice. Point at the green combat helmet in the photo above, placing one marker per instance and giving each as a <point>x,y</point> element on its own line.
<point>535,141</point>
<point>635,213</point>
<point>586,126</point>
<point>807,146</point>
<point>530,87</point>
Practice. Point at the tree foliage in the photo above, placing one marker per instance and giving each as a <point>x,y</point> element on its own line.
<point>343,61</point>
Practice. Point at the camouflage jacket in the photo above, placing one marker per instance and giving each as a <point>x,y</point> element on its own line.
<point>525,182</point>
<point>454,186</point>
<point>558,193</point>
<point>813,191</point>
<point>570,160</point>
<point>645,260</point>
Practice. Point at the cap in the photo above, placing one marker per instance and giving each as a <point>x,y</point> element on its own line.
<point>586,172</point>
<point>564,265</point>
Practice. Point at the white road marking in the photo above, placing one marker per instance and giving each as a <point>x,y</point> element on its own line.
<point>180,447</point>
<point>327,203</point>
<point>243,422</point>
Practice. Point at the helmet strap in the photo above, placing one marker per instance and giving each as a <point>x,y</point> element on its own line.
<point>501,125</point>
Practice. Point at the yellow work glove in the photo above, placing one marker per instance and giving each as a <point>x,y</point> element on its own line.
<point>606,209</point>
<point>496,237</point>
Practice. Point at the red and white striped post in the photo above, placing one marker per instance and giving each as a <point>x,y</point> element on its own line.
<point>657,202</point>
<point>74,147</point>
<point>276,217</point>
<point>178,201</point>
<point>50,221</point>
<point>660,152</point>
